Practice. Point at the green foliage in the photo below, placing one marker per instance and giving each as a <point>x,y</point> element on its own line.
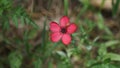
<point>8,12</point>
<point>104,66</point>
<point>37,63</point>
<point>112,56</point>
<point>15,16</point>
<point>102,26</point>
<point>115,6</point>
<point>15,59</point>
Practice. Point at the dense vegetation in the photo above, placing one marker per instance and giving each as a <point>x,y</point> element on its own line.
<point>25,35</point>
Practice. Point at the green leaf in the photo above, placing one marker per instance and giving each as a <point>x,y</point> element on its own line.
<point>30,22</point>
<point>34,24</point>
<point>102,50</point>
<point>90,24</point>
<point>6,25</point>
<point>22,20</point>
<point>38,63</point>
<point>82,30</point>
<point>115,6</point>
<point>107,65</point>
<point>15,59</point>
<point>111,43</point>
<point>112,56</point>
<point>90,62</point>
<point>61,53</point>
<point>101,25</point>
<point>83,10</point>
<point>15,20</point>
<point>62,65</point>
<point>85,2</point>
<point>50,64</point>
<point>1,11</point>
<point>32,34</point>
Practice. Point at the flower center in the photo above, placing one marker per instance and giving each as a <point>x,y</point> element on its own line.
<point>63,30</point>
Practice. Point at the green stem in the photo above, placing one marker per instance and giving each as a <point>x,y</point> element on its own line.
<point>66,7</point>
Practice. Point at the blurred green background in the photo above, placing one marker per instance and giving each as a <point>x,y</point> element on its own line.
<point>25,36</point>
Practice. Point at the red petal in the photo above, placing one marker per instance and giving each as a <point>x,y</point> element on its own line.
<point>64,21</point>
<point>54,27</point>
<point>71,28</point>
<point>66,39</point>
<point>55,37</point>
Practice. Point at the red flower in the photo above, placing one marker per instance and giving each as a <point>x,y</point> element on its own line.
<point>62,31</point>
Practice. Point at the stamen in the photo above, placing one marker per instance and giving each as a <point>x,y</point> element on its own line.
<point>63,30</point>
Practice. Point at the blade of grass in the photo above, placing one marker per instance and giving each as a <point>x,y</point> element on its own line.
<point>44,33</point>
<point>115,6</point>
<point>81,12</point>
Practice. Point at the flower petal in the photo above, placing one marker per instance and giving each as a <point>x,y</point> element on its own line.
<point>71,28</point>
<point>66,39</point>
<point>64,21</point>
<point>54,27</point>
<point>55,37</point>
